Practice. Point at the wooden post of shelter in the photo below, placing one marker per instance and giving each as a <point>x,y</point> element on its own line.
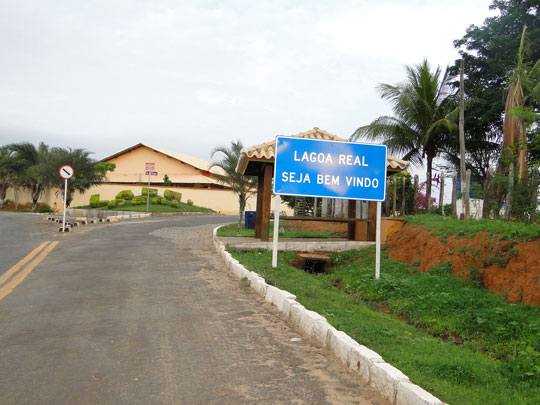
<point>351,234</point>
<point>267,201</point>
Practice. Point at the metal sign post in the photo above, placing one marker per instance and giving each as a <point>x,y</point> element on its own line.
<point>331,169</point>
<point>276,231</point>
<point>66,172</point>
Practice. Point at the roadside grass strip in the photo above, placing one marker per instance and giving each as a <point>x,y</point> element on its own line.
<point>450,337</point>
<point>17,273</point>
<point>371,369</point>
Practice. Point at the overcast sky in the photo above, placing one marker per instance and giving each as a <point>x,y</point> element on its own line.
<point>192,75</point>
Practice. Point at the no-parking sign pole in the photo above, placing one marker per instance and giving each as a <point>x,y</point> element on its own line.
<point>66,172</point>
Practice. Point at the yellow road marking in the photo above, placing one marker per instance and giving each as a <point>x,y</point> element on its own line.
<point>4,277</point>
<point>15,281</point>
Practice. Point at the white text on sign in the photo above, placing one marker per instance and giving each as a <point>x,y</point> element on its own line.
<point>326,158</point>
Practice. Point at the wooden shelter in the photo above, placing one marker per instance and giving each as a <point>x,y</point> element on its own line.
<point>259,161</point>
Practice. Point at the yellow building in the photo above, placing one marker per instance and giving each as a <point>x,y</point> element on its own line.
<point>194,178</point>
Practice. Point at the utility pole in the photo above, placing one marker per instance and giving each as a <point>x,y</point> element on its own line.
<point>464,187</point>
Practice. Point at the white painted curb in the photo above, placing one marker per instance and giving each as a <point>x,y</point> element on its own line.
<point>370,367</point>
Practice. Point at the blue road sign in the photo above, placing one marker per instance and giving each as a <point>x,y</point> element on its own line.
<point>331,169</point>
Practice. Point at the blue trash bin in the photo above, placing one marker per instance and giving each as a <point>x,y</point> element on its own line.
<point>249,219</point>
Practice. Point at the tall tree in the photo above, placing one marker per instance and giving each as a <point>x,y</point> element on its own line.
<point>31,164</point>
<point>489,53</point>
<point>87,171</point>
<point>424,118</point>
<point>523,88</point>
<point>244,186</point>
<point>7,172</point>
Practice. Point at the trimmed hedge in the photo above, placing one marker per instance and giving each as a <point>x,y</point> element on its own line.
<point>175,203</point>
<point>171,195</point>
<point>125,195</point>
<point>153,192</point>
<point>94,201</point>
<point>139,200</point>
<point>189,202</point>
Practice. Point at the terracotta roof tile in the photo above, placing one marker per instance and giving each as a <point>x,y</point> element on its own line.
<point>266,151</point>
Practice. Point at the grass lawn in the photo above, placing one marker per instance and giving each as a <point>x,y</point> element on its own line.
<point>450,337</point>
<point>447,226</point>
<point>182,207</point>
<point>233,230</point>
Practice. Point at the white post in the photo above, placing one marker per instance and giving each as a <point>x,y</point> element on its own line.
<point>65,201</point>
<point>276,231</point>
<point>378,243</point>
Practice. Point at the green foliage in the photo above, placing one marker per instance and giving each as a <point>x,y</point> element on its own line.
<point>175,203</point>
<point>153,192</point>
<point>120,202</point>
<point>172,195</point>
<point>110,204</point>
<point>444,227</point>
<point>162,200</point>
<point>155,200</point>
<point>166,181</point>
<point>46,208</point>
<point>189,202</point>
<point>234,231</point>
<point>139,200</point>
<point>489,54</point>
<point>125,195</point>
<point>94,201</point>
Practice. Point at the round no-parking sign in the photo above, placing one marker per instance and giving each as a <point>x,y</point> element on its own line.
<point>66,172</point>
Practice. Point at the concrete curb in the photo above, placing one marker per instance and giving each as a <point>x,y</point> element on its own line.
<point>370,367</point>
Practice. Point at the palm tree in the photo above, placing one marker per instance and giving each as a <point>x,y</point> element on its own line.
<point>523,88</point>
<point>7,172</point>
<point>87,172</point>
<point>31,165</point>
<point>424,118</point>
<point>243,186</point>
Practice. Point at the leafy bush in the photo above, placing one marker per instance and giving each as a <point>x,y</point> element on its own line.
<point>189,202</point>
<point>94,201</point>
<point>175,203</point>
<point>139,200</point>
<point>153,192</point>
<point>125,195</point>
<point>162,200</point>
<point>110,204</point>
<point>172,195</point>
<point>155,200</point>
<point>120,202</point>
<point>44,209</point>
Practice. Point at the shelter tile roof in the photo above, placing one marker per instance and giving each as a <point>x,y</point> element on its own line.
<point>265,152</point>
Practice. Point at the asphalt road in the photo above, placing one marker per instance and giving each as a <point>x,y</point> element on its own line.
<point>143,311</point>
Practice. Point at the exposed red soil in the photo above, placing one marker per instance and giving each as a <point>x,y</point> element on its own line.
<point>506,267</point>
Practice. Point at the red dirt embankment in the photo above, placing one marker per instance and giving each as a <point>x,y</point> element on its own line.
<point>506,267</point>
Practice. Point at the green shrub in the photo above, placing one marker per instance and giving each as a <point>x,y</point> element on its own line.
<point>189,202</point>
<point>175,203</point>
<point>120,202</point>
<point>44,209</point>
<point>125,195</point>
<point>110,204</point>
<point>94,201</point>
<point>155,200</point>
<point>162,200</point>
<point>153,192</point>
<point>139,200</point>
<point>172,195</point>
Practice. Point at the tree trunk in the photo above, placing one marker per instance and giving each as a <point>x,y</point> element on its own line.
<point>534,192</point>
<point>394,196</point>
<point>441,196</point>
<point>415,194</point>
<point>465,195</point>
<point>454,196</point>
<point>487,195</point>
<point>429,174</point>
<point>404,180</point>
<point>16,194</point>
<point>241,209</point>
<point>509,196</point>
